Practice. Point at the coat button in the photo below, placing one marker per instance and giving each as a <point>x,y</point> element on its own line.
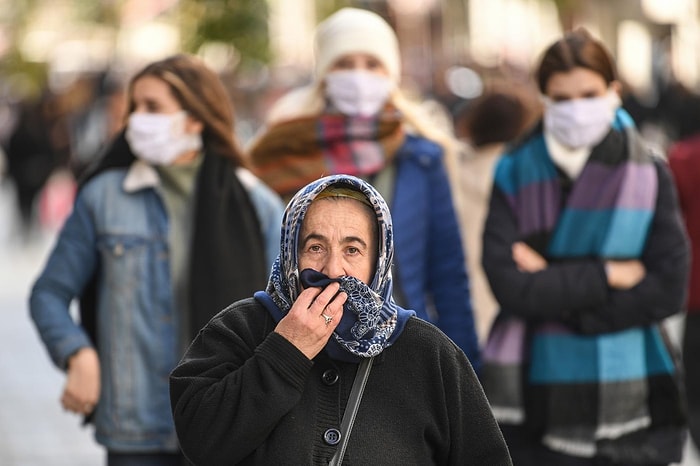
<point>330,377</point>
<point>332,436</point>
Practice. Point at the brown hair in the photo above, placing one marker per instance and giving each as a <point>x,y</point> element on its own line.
<point>200,92</point>
<point>576,49</point>
<point>501,115</point>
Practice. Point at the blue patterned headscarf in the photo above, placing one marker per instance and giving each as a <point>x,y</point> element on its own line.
<point>371,319</point>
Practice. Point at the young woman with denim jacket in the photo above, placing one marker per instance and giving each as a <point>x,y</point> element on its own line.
<point>169,230</point>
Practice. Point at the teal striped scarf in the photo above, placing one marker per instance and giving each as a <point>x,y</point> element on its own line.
<point>591,390</point>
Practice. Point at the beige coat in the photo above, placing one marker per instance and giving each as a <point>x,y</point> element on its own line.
<point>475,179</point>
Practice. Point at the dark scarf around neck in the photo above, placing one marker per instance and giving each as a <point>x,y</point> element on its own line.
<point>227,252</point>
<point>228,255</point>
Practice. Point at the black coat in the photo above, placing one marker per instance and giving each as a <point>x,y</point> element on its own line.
<point>575,291</point>
<point>245,395</point>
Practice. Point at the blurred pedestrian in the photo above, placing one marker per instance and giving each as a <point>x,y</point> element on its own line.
<point>486,125</point>
<point>172,228</point>
<point>268,380</point>
<point>98,123</point>
<point>585,251</point>
<point>33,153</point>
<point>354,120</point>
<point>684,160</point>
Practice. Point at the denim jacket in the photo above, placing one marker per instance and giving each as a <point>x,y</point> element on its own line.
<point>112,224</point>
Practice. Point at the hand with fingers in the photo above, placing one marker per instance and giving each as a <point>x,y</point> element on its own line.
<point>624,274</point>
<point>527,259</point>
<point>312,318</point>
<point>82,390</point>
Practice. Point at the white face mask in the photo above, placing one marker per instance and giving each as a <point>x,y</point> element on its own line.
<point>358,92</point>
<point>160,138</point>
<point>581,123</point>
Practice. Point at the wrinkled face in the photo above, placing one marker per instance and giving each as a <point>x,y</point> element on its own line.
<point>359,62</point>
<point>338,237</point>
<point>579,83</point>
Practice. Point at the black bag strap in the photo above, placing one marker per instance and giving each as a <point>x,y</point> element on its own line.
<point>358,387</point>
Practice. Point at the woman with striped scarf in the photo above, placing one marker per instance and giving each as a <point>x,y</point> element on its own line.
<point>586,254</point>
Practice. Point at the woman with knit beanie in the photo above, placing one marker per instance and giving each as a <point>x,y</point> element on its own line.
<point>354,120</point>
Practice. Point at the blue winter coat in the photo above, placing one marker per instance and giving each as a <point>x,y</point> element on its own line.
<point>429,259</point>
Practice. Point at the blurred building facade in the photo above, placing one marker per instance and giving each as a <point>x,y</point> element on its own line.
<point>451,48</point>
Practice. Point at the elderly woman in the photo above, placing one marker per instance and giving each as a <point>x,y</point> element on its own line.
<point>269,379</point>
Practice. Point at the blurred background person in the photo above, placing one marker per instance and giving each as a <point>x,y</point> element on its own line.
<point>96,124</point>
<point>585,251</point>
<point>168,230</point>
<point>684,160</point>
<point>354,120</point>
<point>37,146</point>
<point>486,125</point>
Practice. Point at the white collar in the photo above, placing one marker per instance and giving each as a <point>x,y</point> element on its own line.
<point>570,161</point>
<point>141,175</point>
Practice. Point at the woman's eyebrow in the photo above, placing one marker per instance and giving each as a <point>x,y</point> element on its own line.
<point>320,237</point>
<point>354,239</point>
<point>310,236</point>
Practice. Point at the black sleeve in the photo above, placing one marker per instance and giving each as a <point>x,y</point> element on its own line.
<point>553,294</point>
<point>476,437</point>
<point>666,258</point>
<point>231,369</point>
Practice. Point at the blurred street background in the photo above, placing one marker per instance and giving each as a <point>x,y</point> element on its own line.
<point>34,429</point>
<point>64,65</point>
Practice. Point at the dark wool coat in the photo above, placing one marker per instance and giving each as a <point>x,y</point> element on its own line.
<point>575,292</point>
<point>245,395</point>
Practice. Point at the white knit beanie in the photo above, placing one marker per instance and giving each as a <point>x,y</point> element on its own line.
<point>352,30</point>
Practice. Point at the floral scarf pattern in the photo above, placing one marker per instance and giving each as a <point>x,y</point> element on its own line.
<point>371,319</point>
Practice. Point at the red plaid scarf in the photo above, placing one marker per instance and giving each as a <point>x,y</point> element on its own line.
<point>296,152</point>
